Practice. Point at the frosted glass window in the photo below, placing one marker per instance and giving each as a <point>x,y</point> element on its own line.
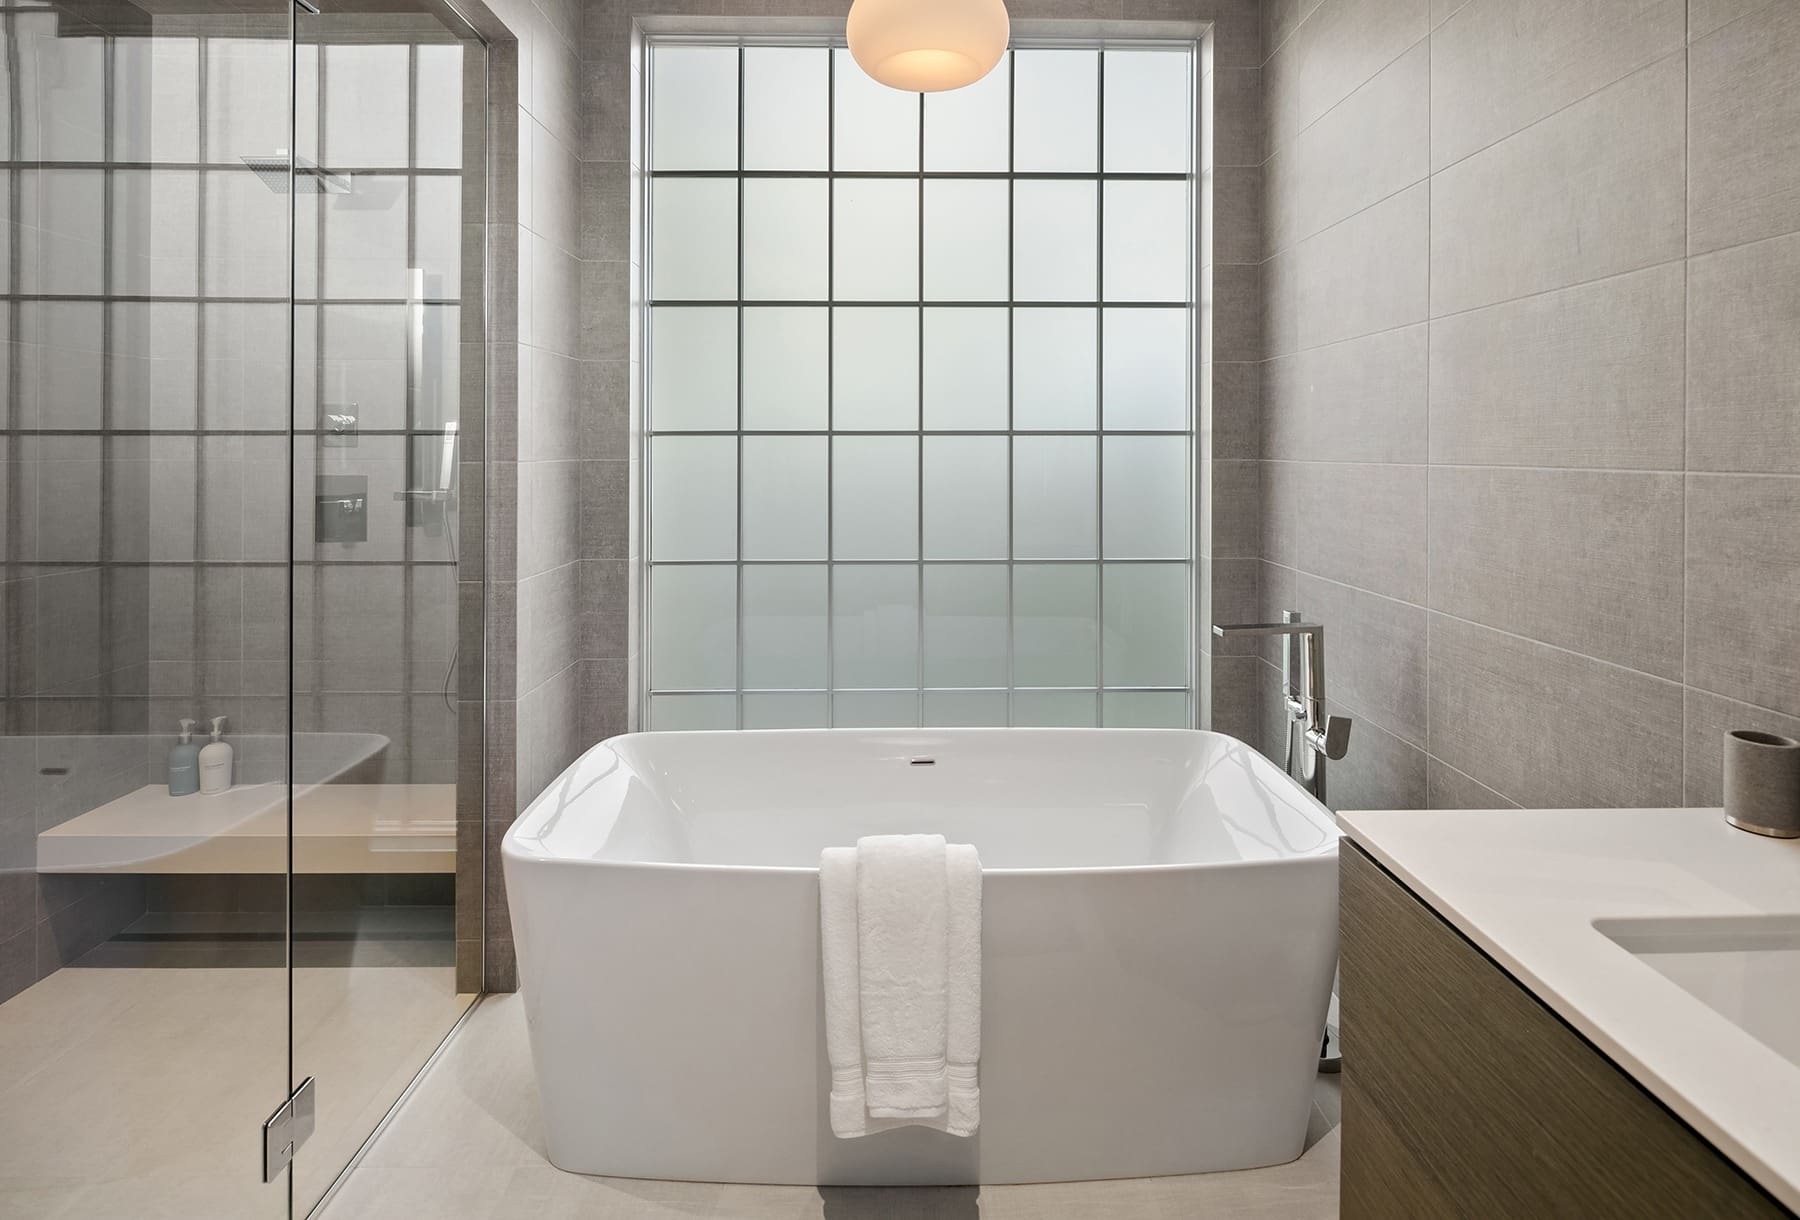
<point>875,369</point>
<point>366,105</point>
<point>1054,709</point>
<point>1130,709</point>
<point>1146,377</point>
<point>438,143</point>
<point>1146,497</point>
<point>877,127</point>
<point>693,628</point>
<point>1149,111</point>
<point>966,610</point>
<point>965,369</point>
<point>1056,610</point>
<point>1056,109</point>
<point>918,389</point>
<point>966,709</point>
<point>785,497</point>
<point>1053,240</point>
<point>965,497</point>
<point>967,129</point>
<point>966,239</point>
<point>787,361</point>
<point>786,121</point>
<point>1055,497</point>
<point>1146,638</point>
<point>875,240</point>
<point>693,368</point>
<point>785,251</point>
<point>785,711</point>
<point>875,625</point>
<point>693,107</point>
<point>693,239</point>
<point>1054,374</point>
<point>683,713</point>
<point>1147,252</point>
<point>875,497</point>
<point>784,627</point>
<point>693,498</point>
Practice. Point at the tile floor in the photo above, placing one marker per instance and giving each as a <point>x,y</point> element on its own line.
<point>140,1093</point>
<point>467,1146</point>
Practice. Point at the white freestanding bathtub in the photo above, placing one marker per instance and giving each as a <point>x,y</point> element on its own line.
<point>1160,929</point>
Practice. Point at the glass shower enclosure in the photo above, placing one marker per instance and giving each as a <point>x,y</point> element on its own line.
<point>241,310</point>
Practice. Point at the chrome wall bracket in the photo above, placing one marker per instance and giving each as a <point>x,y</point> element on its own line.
<point>288,1128</point>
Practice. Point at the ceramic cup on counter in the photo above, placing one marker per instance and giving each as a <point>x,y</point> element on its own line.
<point>1762,783</point>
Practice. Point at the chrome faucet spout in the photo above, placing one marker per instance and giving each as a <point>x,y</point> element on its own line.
<point>1322,736</point>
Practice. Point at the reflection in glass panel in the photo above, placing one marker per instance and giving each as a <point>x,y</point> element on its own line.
<point>1055,497</point>
<point>786,122</point>
<point>966,239</point>
<point>964,503</point>
<point>875,240</point>
<point>693,237</point>
<point>1149,111</point>
<point>1146,383</point>
<point>785,228</point>
<point>875,369</point>
<point>965,369</point>
<point>1054,377</point>
<point>1146,240</point>
<point>693,107</point>
<point>1056,608</point>
<point>875,497</point>
<point>1146,615</point>
<point>1056,109</point>
<point>967,129</point>
<point>1146,497</point>
<point>693,498</point>
<point>877,127</point>
<point>693,627</point>
<point>786,364</point>
<point>1053,240</point>
<point>693,368</point>
<point>965,624</point>
<point>784,627</point>
<point>875,626</point>
<point>785,497</point>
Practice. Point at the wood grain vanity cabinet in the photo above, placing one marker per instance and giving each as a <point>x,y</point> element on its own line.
<point>1465,1096</point>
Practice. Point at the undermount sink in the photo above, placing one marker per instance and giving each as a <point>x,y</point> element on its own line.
<point>1744,967</point>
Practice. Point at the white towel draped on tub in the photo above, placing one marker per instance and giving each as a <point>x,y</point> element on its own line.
<point>900,924</point>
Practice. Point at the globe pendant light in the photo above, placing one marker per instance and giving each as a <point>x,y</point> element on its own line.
<point>927,46</point>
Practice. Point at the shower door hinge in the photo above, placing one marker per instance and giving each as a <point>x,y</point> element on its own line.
<point>287,1129</point>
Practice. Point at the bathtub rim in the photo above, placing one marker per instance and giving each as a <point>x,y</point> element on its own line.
<point>512,849</point>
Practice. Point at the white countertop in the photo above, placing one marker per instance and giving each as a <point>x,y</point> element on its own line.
<point>338,828</point>
<point>1527,886</point>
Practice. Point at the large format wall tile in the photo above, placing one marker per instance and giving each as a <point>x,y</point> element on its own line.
<point>1586,560</point>
<point>1593,190</point>
<point>1743,584</point>
<point>1585,376</point>
<point>1379,772</point>
<point>1374,651</point>
<point>1367,147</point>
<point>1365,274</point>
<point>1500,65</point>
<point>1743,358</point>
<point>1543,726</point>
<point>1448,788</point>
<point>1364,525</point>
<point>1342,44</point>
<point>1744,125</point>
<point>1362,400</point>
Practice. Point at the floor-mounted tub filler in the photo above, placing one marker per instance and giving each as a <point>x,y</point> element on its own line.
<point>1158,939</point>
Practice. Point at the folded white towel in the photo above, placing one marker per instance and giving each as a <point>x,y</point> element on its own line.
<point>900,925</point>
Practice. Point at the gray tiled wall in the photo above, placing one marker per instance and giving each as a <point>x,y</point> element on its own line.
<point>1530,393</point>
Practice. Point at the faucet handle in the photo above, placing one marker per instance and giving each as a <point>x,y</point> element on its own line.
<point>1333,741</point>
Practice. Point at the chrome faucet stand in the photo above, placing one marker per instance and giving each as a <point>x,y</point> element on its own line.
<point>1313,736</point>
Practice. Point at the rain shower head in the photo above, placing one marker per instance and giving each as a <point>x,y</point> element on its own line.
<point>307,176</point>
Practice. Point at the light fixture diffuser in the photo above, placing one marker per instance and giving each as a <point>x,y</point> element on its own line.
<point>927,46</point>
